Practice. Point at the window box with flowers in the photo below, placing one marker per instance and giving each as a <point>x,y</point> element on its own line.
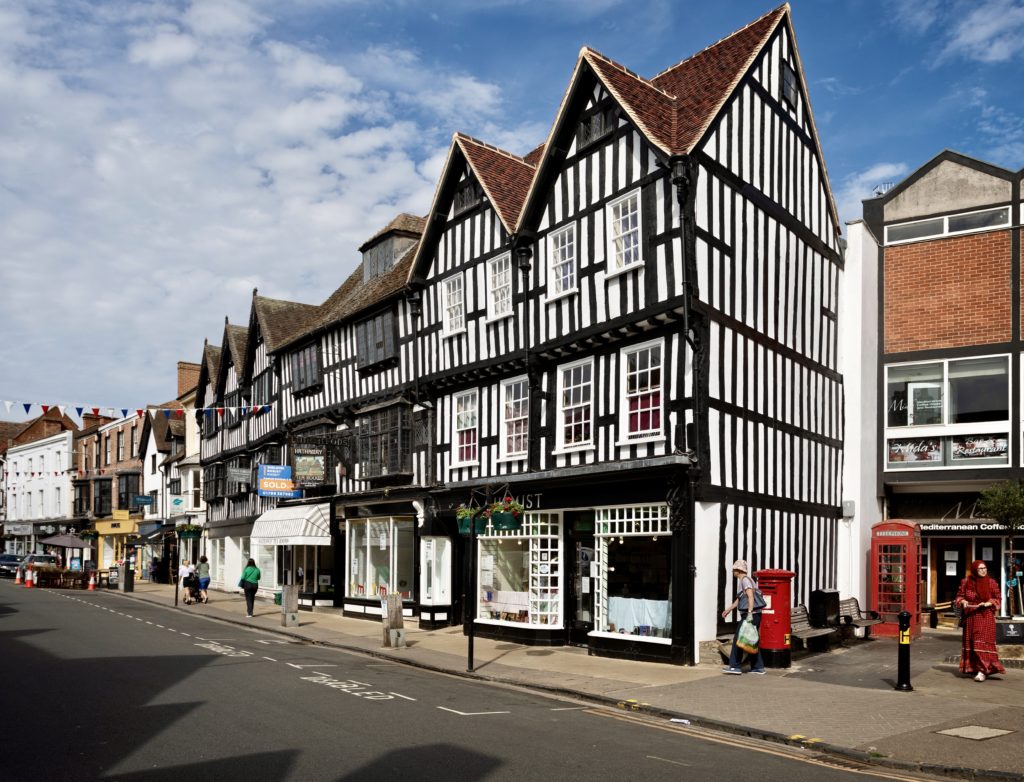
<point>189,531</point>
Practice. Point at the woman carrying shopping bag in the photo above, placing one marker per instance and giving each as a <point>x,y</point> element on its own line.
<point>750,602</point>
<point>250,582</point>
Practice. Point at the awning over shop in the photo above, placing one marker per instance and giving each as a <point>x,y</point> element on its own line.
<point>155,529</point>
<point>294,525</point>
<point>240,527</point>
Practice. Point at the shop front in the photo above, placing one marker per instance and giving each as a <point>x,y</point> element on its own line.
<point>379,545</point>
<point>300,536</point>
<point>228,548</point>
<point>113,537</point>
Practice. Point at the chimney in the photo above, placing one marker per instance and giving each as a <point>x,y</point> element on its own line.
<point>188,377</point>
<point>88,419</point>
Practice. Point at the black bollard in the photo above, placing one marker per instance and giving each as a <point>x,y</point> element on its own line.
<point>903,660</point>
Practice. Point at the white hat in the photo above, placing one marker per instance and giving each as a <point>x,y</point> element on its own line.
<point>741,564</point>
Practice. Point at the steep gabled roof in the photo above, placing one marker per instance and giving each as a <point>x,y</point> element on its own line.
<point>210,363</point>
<point>701,84</point>
<point>236,339</point>
<point>280,320</point>
<point>504,177</point>
<point>405,223</point>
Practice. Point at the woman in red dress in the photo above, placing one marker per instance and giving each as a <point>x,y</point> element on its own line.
<point>979,597</point>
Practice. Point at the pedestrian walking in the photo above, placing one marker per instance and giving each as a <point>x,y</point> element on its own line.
<point>978,599</point>
<point>183,571</point>
<point>203,572</point>
<point>250,582</point>
<point>154,567</point>
<point>750,602</point>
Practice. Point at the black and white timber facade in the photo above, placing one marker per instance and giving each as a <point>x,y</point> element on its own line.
<point>632,331</point>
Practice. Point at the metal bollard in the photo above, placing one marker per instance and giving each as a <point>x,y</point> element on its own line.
<point>903,660</point>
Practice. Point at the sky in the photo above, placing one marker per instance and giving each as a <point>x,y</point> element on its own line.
<point>160,160</point>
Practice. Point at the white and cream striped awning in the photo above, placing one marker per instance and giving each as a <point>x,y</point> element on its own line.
<point>294,525</point>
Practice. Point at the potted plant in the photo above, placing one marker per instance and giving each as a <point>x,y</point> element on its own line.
<point>465,514</point>
<point>189,531</point>
<point>1004,503</point>
<point>506,514</point>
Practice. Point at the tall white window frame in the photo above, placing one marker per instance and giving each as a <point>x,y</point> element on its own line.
<point>562,261</point>
<point>454,305</point>
<point>499,283</point>
<point>466,432</point>
<point>515,418</point>
<point>642,391</point>
<point>576,405</point>
<point>624,239</point>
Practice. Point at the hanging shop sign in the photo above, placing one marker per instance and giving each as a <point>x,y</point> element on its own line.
<point>142,499</point>
<point>310,465</point>
<point>275,480</point>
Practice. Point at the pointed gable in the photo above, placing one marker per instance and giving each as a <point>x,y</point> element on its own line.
<point>504,177</point>
<point>279,321</point>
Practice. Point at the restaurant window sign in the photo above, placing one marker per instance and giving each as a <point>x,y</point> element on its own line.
<point>950,413</point>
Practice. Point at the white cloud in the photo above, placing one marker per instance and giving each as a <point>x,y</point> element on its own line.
<point>992,31</point>
<point>855,187</point>
<point>159,160</point>
<point>914,16</point>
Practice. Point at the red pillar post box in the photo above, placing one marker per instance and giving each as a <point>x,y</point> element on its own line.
<point>777,588</point>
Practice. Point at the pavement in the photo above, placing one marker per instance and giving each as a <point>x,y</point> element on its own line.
<point>842,703</point>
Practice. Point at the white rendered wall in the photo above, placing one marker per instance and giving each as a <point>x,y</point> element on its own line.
<point>858,361</point>
<point>707,529</point>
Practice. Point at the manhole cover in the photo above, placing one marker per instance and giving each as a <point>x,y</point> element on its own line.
<point>975,732</point>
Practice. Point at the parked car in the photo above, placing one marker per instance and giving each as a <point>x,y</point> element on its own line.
<point>37,560</point>
<point>9,564</point>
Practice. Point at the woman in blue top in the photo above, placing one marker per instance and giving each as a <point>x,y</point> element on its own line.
<point>747,604</point>
<point>250,582</point>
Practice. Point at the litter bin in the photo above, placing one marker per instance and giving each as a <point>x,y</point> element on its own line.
<point>823,610</point>
<point>277,598</point>
<point>113,577</point>
<point>289,605</point>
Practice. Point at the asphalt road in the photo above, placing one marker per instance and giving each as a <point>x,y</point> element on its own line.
<point>99,686</point>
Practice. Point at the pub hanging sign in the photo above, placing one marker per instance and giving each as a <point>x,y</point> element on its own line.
<point>309,465</point>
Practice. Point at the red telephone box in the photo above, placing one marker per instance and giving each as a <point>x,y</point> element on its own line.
<point>776,586</point>
<point>896,575</point>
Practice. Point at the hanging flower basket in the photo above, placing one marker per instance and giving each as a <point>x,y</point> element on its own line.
<point>464,521</point>
<point>88,535</point>
<point>506,514</point>
<point>189,531</point>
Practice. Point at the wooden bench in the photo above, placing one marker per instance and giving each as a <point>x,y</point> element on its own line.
<point>851,615</point>
<point>800,627</point>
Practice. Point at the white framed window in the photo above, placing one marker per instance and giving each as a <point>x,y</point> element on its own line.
<point>562,255</point>
<point>466,435</point>
<point>454,305</point>
<point>515,417</point>
<point>576,409</point>
<point>499,279</point>
<point>947,413</point>
<point>624,232</point>
<point>381,553</point>
<point>950,225</point>
<point>641,390</point>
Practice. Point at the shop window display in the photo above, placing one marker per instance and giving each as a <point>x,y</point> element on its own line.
<point>520,573</point>
<point>380,557</point>
<point>266,561</point>
<point>634,572</point>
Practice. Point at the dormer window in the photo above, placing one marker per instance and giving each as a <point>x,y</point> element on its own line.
<point>468,195</point>
<point>595,125</point>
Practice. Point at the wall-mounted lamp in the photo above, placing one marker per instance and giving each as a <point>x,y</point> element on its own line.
<point>523,256</point>
<point>415,303</point>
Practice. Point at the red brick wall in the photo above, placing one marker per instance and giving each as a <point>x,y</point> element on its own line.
<point>188,377</point>
<point>947,293</point>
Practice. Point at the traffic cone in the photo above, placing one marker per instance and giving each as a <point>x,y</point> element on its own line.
<point>17,576</point>
<point>92,584</point>
<point>29,578</point>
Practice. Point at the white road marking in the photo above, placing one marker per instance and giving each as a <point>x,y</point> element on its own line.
<point>402,696</point>
<point>149,623</point>
<point>349,687</point>
<point>314,665</point>
<point>269,658</point>
<point>187,635</point>
<point>171,630</point>
<point>273,641</point>
<point>472,713</point>
<point>160,626</point>
<point>666,760</point>
<point>572,708</point>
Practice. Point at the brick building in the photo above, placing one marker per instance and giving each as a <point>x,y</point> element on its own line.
<point>940,260</point>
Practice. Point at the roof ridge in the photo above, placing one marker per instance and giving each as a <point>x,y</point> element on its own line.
<point>733,34</point>
<point>285,301</point>
<point>619,66</point>
<point>459,135</point>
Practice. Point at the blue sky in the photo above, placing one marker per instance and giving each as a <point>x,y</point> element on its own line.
<point>159,160</point>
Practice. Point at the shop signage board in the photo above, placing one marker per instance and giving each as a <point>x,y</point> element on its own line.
<point>120,515</point>
<point>310,465</point>
<point>18,529</point>
<point>142,499</point>
<point>275,480</point>
<point>239,474</point>
<point>924,449</point>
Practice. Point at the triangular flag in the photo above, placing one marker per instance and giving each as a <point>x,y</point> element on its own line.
<point>8,405</point>
<point>27,406</point>
<point>124,412</point>
<point>139,413</point>
<point>95,410</point>
<point>242,411</point>
<point>220,411</point>
<point>180,412</point>
<point>78,411</point>
<point>111,413</point>
<point>208,411</point>
<point>62,408</point>
<point>167,412</point>
<point>46,409</point>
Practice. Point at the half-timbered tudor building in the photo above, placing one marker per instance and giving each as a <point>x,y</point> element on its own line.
<point>356,434</point>
<point>632,330</point>
<point>940,256</point>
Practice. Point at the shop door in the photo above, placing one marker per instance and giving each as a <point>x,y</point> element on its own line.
<point>951,562</point>
<point>580,600</point>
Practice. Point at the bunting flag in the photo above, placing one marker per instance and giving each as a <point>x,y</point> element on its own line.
<point>112,412</point>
